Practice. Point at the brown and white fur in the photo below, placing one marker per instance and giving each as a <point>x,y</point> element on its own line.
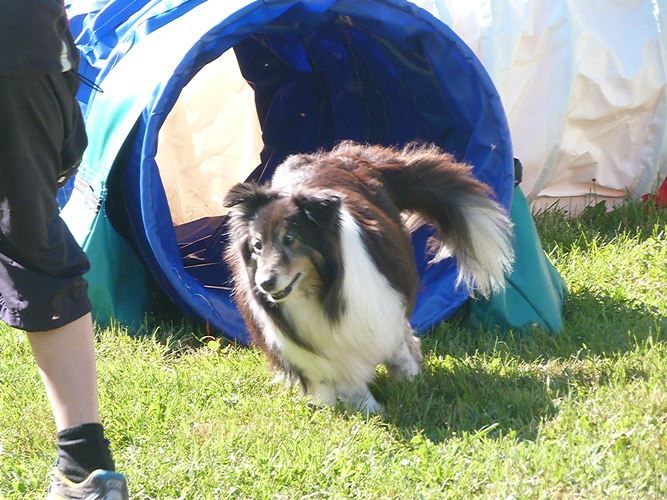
<point>323,264</point>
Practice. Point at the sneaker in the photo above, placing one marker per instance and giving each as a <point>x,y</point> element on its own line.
<point>99,485</point>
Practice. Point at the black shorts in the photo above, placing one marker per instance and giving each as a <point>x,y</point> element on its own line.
<point>42,139</point>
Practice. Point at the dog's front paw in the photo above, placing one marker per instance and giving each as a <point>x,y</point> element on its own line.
<point>321,393</point>
<point>407,359</point>
<point>360,399</point>
<point>371,406</point>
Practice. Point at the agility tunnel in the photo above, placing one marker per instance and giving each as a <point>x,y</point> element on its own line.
<point>186,98</point>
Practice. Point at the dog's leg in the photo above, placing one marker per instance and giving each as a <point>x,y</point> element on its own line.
<point>407,358</point>
<point>284,378</point>
<point>359,398</point>
<point>322,393</point>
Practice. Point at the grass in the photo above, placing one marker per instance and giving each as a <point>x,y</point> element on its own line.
<point>523,415</point>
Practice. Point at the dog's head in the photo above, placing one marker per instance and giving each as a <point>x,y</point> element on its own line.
<point>285,240</point>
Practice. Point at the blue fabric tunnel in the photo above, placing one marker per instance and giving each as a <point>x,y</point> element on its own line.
<point>378,71</point>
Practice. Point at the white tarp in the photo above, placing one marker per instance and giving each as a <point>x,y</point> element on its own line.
<point>584,86</point>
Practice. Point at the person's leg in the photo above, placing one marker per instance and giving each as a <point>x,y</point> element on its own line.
<point>42,289</point>
<point>66,360</point>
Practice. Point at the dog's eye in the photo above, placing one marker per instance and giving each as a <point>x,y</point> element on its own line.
<point>257,245</point>
<point>288,239</point>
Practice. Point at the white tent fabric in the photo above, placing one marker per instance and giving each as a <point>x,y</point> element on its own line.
<point>584,86</point>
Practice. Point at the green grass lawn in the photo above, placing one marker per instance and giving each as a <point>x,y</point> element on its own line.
<point>582,414</point>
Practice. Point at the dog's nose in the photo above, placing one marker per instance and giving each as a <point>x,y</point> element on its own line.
<point>268,284</point>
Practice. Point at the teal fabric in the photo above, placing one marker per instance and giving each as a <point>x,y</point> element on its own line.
<point>118,285</point>
<point>535,290</point>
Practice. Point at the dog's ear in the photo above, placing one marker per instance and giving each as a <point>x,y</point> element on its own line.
<point>247,197</point>
<point>321,207</point>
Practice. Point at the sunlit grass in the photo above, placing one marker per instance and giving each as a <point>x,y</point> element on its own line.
<point>581,414</point>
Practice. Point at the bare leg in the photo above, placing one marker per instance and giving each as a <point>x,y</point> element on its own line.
<point>66,360</point>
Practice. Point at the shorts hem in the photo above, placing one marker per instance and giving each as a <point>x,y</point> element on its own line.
<point>15,320</point>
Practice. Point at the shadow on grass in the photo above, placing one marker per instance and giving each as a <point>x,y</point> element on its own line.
<point>445,402</point>
<point>604,325</point>
<point>179,335</point>
<point>635,219</point>
<point>474,379</point>
<point>595,323</point>
<point>169,325</point>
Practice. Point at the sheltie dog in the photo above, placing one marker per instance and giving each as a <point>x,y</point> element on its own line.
<point>323,265</point>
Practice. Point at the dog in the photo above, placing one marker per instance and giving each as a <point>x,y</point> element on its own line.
<point>323,266</point>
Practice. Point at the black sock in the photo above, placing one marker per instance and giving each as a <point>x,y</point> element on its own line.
<point>81,450</point>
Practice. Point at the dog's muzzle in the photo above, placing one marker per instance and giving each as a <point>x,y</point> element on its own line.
<point>282,294</point>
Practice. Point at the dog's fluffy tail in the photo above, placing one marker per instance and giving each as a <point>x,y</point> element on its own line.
<point>434,188</point>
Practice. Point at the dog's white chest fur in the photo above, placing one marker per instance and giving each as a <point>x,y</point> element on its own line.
<point>369,331</point>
